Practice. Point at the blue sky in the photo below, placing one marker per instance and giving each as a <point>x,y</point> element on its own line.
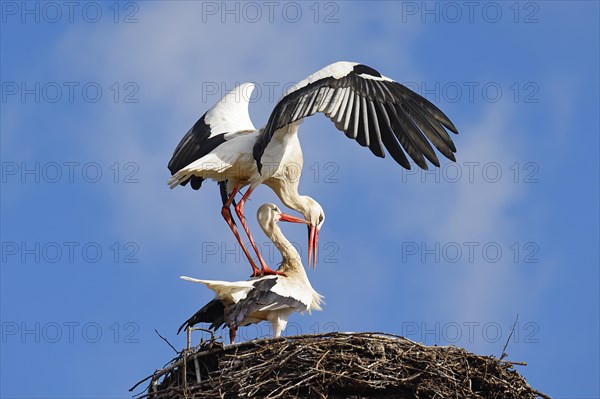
<point>95,98</point>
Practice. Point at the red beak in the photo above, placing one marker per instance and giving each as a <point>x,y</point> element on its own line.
<point>313,245</point>
<point>289,218</point>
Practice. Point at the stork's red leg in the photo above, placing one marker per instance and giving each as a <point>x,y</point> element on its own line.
<point>239,209</point>
<point>232,334</point>
<point>227,216</point>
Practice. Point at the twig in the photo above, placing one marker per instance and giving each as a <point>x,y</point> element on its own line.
<point>512,330</point>
<point>136,385</point>
<point>515,363</point>
<point>543,395</point>
<point>164,339</point>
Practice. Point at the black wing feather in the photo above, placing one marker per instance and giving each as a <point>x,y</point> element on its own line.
<point>431,132</point>
<point>416,136</point>
<point>435,125</point>
<point>213,313</point>
<point>194,145</point>
<point>376,145</point>
<point>428,106</point>
<point>404,138</point>
<point>387,137</point>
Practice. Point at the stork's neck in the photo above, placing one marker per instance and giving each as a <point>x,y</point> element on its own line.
<point>290,197</point>
<point>288,252</point>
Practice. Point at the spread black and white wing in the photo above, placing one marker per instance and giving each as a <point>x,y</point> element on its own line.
<point>370,108</point>
<point>216,126</point>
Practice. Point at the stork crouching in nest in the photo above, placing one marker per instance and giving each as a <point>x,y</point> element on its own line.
<point>270,298</point>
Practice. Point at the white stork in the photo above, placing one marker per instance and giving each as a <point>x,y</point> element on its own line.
<point>270,298</point>
<point>368,107</point>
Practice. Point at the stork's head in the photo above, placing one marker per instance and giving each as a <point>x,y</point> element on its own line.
<point>269,214</point>
<point>314,214</point>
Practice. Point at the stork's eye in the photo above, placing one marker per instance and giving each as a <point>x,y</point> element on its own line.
<point>320,218</point>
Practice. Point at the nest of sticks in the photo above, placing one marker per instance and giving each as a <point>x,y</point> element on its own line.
<point>336,365</point>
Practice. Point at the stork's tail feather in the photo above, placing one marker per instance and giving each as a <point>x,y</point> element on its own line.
<point>193,280</point>
<point>317,300</point>
<point>182,177</point>
<point>173,182</point>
